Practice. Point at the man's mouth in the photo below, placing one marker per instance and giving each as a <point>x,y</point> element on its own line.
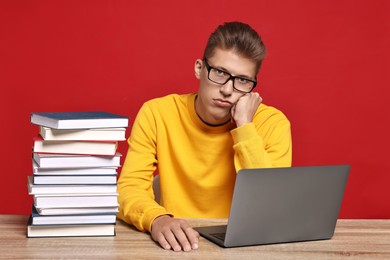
<point>222,103</point>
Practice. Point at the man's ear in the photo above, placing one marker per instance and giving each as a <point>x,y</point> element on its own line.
<point>198,68</point>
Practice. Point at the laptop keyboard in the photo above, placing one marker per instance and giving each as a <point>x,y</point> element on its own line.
<point>220,236</point>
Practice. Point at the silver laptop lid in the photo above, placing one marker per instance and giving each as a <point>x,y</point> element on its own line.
<point>276,205</point>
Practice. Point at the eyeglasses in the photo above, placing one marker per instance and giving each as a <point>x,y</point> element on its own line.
<point>221,77</point>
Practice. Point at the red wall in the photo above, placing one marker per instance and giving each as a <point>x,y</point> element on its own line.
<point>326,69</point>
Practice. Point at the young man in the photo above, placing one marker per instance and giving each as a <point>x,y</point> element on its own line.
<point>199,141</point>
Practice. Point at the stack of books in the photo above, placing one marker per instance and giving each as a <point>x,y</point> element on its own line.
<point>74,181</point>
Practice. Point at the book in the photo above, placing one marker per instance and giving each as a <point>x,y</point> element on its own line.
<point>104,134</point>
<point>81,230</point>
<point>75,147</point>
<point>73,171</point>
<point>77,179</point>
<point>75,201</point>
<point>40,189</point>
<point>106,218</point>
<point>78,120</point>
<point>74,219</point>
<point>76,211</point>
<point>75,161</point>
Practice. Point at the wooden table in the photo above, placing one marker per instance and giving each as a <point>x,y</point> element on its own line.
<point>353,239</point>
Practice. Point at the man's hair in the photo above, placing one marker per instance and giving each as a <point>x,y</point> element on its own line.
<point>239,37</point>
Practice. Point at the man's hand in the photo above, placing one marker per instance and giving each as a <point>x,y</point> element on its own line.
<point>245,108</point>
<point>174,234</point>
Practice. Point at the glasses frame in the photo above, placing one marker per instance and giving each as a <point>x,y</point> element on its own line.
<point>231,77</point>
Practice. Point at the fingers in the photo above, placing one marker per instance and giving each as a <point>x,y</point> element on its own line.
<point>182,239</point>
<point>175,234</point>
<point>232,112</point>
<point>193,237</point>
<point>187,237</point>
<point>171,239</point>
<point>253,97</point>
<point>160,238</point>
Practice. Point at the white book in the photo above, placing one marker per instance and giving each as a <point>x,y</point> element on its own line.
<point>84,230</point>
<point>73,171</point>
<point>75,147</point>
<point>104,134</point>
<point>41,189</point>
<point>78,179</point>
<point>79,120</point>
<point>76,211</point>
<point>41,201</point>
<point>75,161</point>
<point>106,218</point>
<point>75,220</point>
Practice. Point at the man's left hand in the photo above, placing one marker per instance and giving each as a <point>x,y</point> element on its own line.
<point>245,108</point>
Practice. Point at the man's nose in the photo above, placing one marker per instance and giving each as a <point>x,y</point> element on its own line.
<point>227,88</point>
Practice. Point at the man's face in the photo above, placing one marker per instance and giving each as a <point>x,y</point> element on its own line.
<point>215,101</point>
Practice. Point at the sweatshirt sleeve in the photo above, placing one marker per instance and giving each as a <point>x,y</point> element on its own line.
<point>135,185</point>
<point>263,143</point>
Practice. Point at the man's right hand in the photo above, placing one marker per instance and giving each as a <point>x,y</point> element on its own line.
<point>176,234</point>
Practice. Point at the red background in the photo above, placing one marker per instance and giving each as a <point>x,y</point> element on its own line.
<point>326,69</point>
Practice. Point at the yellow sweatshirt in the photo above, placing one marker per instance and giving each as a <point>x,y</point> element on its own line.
<point>197,163</point>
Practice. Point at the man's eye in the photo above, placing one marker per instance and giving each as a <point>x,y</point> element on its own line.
<point>220,73</point>
<point>242,80</point>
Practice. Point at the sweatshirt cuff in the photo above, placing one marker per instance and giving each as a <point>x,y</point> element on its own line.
<point>244,132</point>
<point>151,215</point>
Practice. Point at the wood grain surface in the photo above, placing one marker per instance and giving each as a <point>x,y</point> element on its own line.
<point>353,239</point>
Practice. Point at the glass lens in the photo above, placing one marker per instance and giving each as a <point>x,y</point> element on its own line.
<point>243,84</point>
<point>218,76</point>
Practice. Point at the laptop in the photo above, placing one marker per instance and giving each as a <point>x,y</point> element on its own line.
<point>280,205</point>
